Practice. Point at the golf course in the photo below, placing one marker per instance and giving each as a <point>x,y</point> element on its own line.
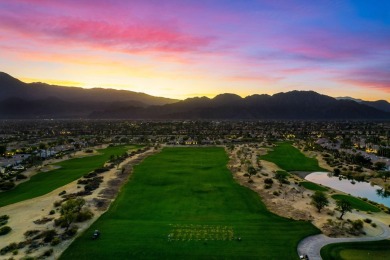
<point>290,158</point>
<point>183,203</point>
<point>68,171</point>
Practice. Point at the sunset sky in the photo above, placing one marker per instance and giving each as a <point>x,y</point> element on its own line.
<point>185,48</point>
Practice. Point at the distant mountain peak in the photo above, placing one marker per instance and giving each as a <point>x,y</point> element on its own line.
<point>350,98</point>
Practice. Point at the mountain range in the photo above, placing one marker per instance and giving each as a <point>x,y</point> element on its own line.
<point>19,100</point>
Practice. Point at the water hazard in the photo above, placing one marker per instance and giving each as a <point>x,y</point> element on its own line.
<point>355,188</point>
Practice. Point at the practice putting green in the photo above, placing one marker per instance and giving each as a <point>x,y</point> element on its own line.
<point>357,251</point>
<point>290,158</point>
<point>70,170</point>
<point>183,203</point>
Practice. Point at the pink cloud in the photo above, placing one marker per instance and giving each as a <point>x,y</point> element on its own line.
<point>134,36</point>
<point>375,78</point>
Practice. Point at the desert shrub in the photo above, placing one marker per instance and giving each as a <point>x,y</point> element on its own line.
<point>91,184</point>
<point>90,175</point>
<point>49,235</point>
<point>7,185</point>
<point>268,181</point>
<point>72,231</point>
<point>368,220</point>
<point>83,215</point>
<point>21,177</point>
<point>276,193</point>
<point>57,203</point>
<point>373,225</point>
<point>62,193</point>
<point>250,181</point>
<point>28,258</point>
<point>357,224</point>
<point>101,170</point>
<point>9,248</point>
<point>43,220</point>
<point>30,233</point>
<point>60,222</point>
<point>3,220</point>
<point>48,253</point>
<point>267,186</point>
<point>52,212</point>
<point>55,241</point>
<point>5,230</point>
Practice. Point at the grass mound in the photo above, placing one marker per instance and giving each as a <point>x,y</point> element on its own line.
<point>313,186</point>
<point>357,251</point>
<point>70,170</point>
<point>184,204</point>
<point>290,158</point>
<point>357,203</point>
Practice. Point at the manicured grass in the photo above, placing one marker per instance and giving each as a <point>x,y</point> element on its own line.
<point>70,170</point>
<point>357,203</point>
<point>312,186</point>
<point>290,158</point>
<point>357,251</point>
<point>177,199</point>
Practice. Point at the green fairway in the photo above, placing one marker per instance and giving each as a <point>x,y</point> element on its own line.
<point>183,203</point>
<point>70,170</point>
<point>312,186</point>
<point>378,250</point>
<point>290,158</point>
<point>357,203</point>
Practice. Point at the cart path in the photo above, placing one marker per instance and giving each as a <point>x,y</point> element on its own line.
<point>311,246</point>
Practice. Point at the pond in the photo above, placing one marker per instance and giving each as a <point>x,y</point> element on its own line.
<point>355,188</point>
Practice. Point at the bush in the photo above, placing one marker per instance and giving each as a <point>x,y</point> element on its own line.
<point>5,230</point>
<point>268,186</point>
<point>7,185</point>
<point>57,203</point>
<point>30,233</point>
<point>72,231</point>
<point>9,248</point>
<point>101,170</point>
<point>62,193</point>
<point>268,181</point>
<point>373,225</point>
<point>55,241</point>
<point>49,235</point>
<point>21,177</point>
<point>48,253</point>
<point>90,175</point>
<point>60,222</point>
<point>3,220</point>
<point>367,220</point>
<point>84,215</point>
<point>357,224</point>
<point>52,212</point>
<point>276,193</point>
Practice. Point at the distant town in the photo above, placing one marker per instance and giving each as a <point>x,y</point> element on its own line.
<point>25,144</point>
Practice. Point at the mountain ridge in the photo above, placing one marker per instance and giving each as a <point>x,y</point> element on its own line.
<point>19,100</point>
<point>301,105</point>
